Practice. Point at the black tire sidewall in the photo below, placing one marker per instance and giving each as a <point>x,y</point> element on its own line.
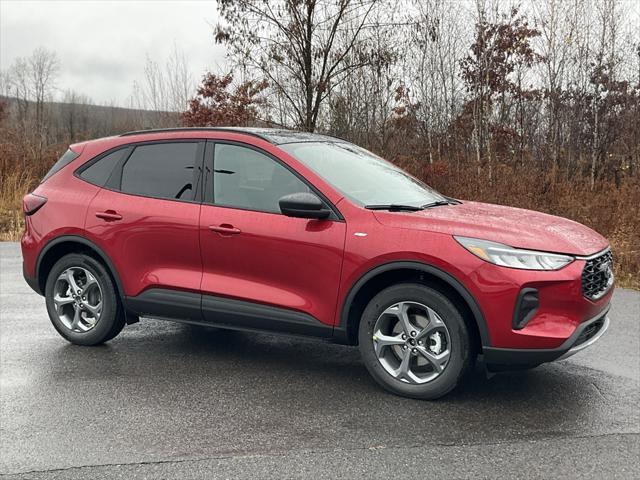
<point>110,311</point>
<point>461,355</point>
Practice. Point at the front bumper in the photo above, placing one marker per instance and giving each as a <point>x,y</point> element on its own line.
<point>584,336</point>
<point>561,307</point>
<point>590,337</point>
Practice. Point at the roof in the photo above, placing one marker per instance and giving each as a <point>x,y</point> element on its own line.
<point>277,136</point>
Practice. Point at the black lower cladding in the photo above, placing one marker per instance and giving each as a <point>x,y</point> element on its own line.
<point>512,358</point>
<point>31,281</point>
<point>224,312</point>
<point>590,332</point>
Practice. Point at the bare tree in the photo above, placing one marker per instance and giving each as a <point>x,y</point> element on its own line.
<point>74,114</point>
<point>43,68</point>
<point>165,89</point>
<point>502,47</point>
<point>20,87</point>
<point>179,79</point>
<point>605,90</point>
<point>557,21</point>
<point>5,84</point>
<point>438,40</point>
<point>361,107</point>
<point>302,47</point>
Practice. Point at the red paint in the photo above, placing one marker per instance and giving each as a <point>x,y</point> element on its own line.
<point>278,260</point>
<point>154,245</point>
<point>311,265</point>
<point>512,226</point>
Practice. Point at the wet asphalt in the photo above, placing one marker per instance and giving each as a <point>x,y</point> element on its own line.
<point>165,400</point>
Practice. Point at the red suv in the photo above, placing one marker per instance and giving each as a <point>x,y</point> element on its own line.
<point>306,234</point>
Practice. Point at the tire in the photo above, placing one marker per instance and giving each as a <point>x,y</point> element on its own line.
<point>433,372</point>
<point>90,319</point>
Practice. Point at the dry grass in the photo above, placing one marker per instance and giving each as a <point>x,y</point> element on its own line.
<point>14,186</point>
<point>21,169</point>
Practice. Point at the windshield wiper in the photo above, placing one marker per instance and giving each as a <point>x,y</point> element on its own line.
<point>439,203</point>
<point>394,207</point>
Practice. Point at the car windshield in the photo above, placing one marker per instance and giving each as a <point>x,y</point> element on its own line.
<point>362,176</point>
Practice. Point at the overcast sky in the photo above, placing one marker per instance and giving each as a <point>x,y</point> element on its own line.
<point>102,44</point>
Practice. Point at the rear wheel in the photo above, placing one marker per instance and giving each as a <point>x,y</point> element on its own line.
<point>82,301</point>
<point>414,341</point>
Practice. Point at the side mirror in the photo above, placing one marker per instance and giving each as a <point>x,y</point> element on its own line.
<point>303,205</point>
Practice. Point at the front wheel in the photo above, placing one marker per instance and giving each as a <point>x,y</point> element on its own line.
<point>82,301</point>
<point>414,341</point>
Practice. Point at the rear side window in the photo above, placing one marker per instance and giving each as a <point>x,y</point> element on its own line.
<point>163,170</point>
<point>99,172</point>
<point>68,157</point>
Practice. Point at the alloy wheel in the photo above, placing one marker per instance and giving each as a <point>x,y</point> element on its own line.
<point>411,342</point>
<point>78,299</point>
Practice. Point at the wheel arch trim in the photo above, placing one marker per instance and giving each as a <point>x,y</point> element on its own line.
<point>87,243</point>
<point>447,278</point>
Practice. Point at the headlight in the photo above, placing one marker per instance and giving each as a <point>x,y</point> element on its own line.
<point>506,256</point>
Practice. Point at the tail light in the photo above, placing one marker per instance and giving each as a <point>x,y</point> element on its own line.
<point>31,203</point>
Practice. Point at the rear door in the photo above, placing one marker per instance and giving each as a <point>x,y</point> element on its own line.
<point>146,219</point>
<point>262,269</point>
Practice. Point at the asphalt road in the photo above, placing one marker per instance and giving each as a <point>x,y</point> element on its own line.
<point>165,400</point>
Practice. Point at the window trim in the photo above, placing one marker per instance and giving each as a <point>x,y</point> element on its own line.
<point>85,166</point>
<point>114,182</point>
<point>209,165</point>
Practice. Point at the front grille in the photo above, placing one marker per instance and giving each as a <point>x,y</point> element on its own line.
<point>597,276</point>
<point>590,332</point>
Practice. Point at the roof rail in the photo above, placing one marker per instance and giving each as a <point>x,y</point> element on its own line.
<point>195,129</point>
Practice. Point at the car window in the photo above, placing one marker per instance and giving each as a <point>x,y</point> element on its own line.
<point>99,172</point>
<point>163,170</point>
<point>362,176</point>
<point>68,157</point>
<point>245,178</point>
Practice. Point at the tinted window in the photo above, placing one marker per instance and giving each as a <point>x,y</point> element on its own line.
<point>68,157</point>
<point>163,170</point>
<point>98,173</point>
<point>360,175</point>
<point>245,178</point>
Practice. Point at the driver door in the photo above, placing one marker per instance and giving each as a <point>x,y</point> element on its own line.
<point>262,269</point>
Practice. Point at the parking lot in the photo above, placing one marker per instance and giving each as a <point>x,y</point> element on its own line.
<point>166,400</point>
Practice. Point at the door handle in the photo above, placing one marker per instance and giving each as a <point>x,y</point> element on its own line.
<point>109,215</point>
<point>225,229</point>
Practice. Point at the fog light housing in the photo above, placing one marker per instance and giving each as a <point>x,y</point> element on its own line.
<point>527,305</point>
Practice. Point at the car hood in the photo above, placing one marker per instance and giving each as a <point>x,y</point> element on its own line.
<point>515,227</point>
